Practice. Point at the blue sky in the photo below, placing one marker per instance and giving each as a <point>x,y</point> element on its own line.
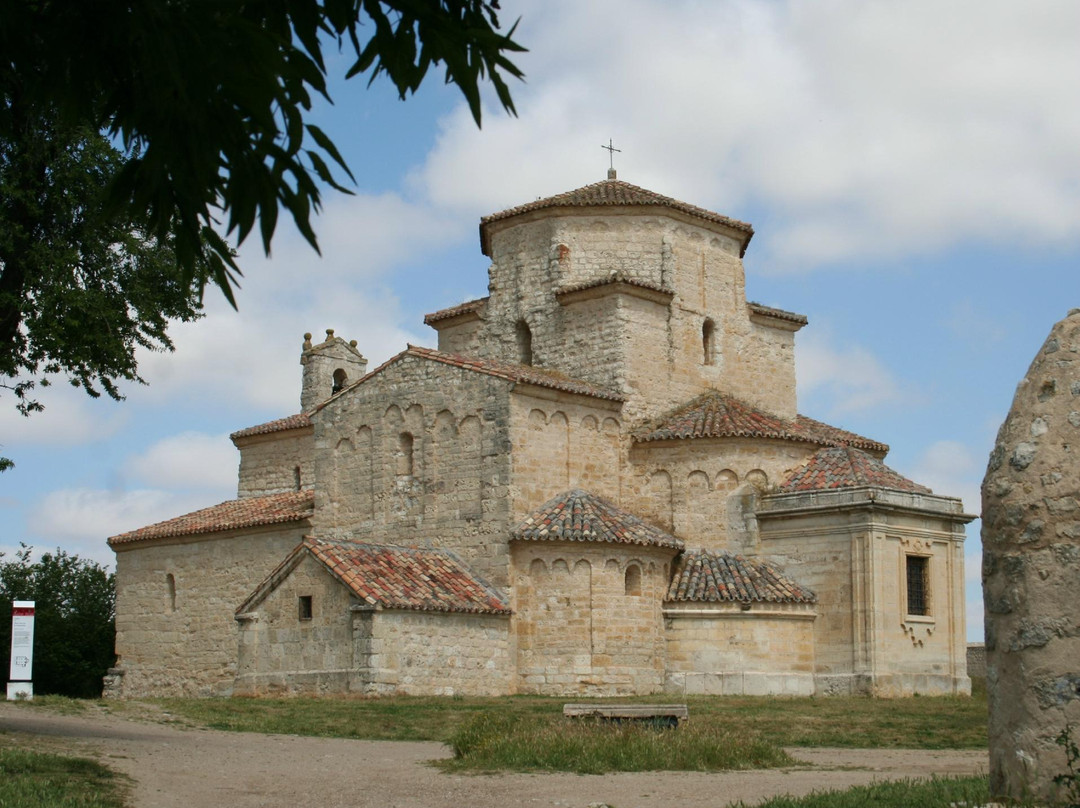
<point>912,172</point>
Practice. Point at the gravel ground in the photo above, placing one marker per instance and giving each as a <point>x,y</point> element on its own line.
<point>200,768</point>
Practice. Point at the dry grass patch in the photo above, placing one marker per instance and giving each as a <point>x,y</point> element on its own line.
<point>493,741</point>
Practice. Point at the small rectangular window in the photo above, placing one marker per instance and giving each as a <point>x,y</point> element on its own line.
<point>918,585</point>
<point>305,607</point>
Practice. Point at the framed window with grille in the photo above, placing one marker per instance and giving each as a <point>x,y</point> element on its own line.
<point>917,575</point>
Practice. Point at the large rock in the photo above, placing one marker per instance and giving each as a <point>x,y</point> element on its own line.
<point>1031,572</point>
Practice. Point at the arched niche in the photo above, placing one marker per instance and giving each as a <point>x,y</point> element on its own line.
<point>523,340</point>
<point>405,454</point>
<point>708,342</point>
<point>757,478</point>
<point>727,480</point>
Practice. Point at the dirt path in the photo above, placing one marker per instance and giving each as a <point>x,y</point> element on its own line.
<point>199,768</point>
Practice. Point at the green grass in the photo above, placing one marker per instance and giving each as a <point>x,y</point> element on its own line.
<point>941,792</point>
<point>41,780</point>
<point>497,741</point>
<point>62,704</point>
<point>855,722</point>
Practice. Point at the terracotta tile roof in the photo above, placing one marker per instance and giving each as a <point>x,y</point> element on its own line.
<point>523,374</point>
<point>292,506</point>
<point>708,576</point>
<point>298,421</point>
<point>844,467</point>
<point>611,193</point>
<point>469,307</point>
<point>394,577</point>
<point>780,314</point>
<point>580,516</point>
<point>715,415</point>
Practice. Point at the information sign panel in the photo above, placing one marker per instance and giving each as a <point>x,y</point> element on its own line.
<point>22,641</point>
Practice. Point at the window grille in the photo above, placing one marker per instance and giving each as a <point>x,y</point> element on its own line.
<point>918,590</point>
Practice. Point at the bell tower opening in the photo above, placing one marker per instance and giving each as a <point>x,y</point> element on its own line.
<point>340,379</point>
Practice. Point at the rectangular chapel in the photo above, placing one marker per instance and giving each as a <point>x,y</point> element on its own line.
<point>598,484</point>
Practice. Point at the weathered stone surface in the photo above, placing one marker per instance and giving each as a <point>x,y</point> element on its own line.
<point>1031,571</point>
<point>602,324</point>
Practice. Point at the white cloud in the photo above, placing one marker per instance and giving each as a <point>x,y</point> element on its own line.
<point>190,460</point>
<point>874,128</point>
<point>251,359</point>
<point>81,519</point>
<point>950,469</point>
<point>850,378</point>
<point>71,417</point>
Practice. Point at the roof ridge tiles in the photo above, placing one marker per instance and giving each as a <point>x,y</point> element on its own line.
<point>577,515</point>
<point>719,576</point>
<point>613,193</point>
<point>714,414</point>
<point>298,421</point>
<point>846,467</point>
<point>393,576</point>
<point>233,514</point>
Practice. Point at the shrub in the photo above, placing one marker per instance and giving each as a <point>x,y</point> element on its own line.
<point>74,622</point>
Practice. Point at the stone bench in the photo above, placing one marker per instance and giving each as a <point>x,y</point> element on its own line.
<point>657,715</point>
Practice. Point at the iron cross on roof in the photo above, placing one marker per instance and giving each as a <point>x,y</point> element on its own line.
<point>611,158</point>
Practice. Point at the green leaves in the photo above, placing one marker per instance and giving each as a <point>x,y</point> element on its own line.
<point>83,284</point>
<point>210,99</point>
<point>209,102</point>
<point>74,622</point>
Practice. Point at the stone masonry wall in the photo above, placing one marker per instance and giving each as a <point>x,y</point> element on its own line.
<point>461,336</point>
<point>419,454</point>
<point>349,647</point>
<point>184,644</point>
<point>722,649</point>
<point>699,489</point>
<point>437,653</point>
<point>853,558</point>
<point>276,463</point>
<point>587,618</point>
<point>281,653</point>
<point>663,360</point>
<point>561,443</point>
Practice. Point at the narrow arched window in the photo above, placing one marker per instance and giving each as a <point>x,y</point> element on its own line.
<point>405,454</point>
<point>296,478</point>
<point>170,591</point>
<point>708,342</point>
<point>632,581</point>
<point>340,378</point>
<point>524,343</point>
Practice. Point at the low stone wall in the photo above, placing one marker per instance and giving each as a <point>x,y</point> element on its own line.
<point>723,649</point>
<point>976,660</point>
<point>434,653</point>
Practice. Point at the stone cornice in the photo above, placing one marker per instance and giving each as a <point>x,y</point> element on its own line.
<point>614,286</point>
<point>870,498</point>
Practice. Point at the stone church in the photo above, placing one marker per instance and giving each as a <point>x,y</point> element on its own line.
<point>598,484</point>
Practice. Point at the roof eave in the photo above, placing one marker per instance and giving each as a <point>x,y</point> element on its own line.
<point>738,234</point>
<point>868,497</point>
